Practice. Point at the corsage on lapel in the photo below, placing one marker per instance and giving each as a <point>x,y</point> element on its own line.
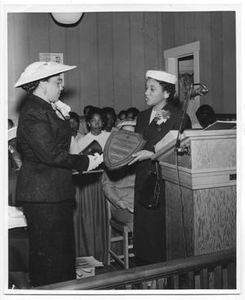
<point>161,117</point>
<point>61,109</point>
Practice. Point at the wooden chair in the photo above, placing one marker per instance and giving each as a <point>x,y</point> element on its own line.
<point>124,235</point>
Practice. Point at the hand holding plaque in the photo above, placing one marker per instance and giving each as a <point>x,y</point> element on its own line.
<point>120,147</point>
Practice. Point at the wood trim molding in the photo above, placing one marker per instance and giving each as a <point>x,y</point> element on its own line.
<point>198,179</point>
<point>186,49</point>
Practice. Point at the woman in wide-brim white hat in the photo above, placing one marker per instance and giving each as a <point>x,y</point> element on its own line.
<point>44,187</point>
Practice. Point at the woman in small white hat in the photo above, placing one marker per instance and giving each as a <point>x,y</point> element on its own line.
<point>44,187</point>
<point>153,123</point>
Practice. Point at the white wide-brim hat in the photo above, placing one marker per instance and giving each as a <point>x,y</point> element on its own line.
<point>126,123</point>
<point>40,70</point>
<point>161,76</point>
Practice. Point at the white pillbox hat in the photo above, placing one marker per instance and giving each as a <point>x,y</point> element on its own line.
<point>161,76</point>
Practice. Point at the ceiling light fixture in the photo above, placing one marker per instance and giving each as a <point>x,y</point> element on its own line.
<point>67,18</point>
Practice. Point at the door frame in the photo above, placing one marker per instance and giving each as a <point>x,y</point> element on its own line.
<point>171,57</point>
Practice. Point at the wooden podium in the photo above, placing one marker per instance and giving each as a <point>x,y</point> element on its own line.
<point>200,189</point>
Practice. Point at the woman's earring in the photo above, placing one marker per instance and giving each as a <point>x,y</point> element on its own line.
<point>166,94</point>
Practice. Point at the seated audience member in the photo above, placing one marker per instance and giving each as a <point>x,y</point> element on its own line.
<point>14,164</point>
<point>118,187</point>
<point>76,136</point>
<point>122,115</point>
<point>109,118</point>
<point>95,124</point>
<point>14,158</point>
<point>205,115</point>
<point>83,129</point>
<point>132,114</point>
<point>91,225</point>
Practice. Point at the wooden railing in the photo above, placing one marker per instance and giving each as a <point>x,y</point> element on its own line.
<point>209,271</point>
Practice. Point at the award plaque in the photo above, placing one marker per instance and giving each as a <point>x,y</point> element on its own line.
<point>119,148</point>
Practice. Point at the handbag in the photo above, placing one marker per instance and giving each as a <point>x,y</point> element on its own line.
<point>150,193</point>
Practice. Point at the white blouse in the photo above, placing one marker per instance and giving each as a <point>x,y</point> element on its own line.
<point>153,114</point>
<point>76,144</point>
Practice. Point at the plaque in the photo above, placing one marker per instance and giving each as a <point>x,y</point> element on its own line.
<point>120,146</point>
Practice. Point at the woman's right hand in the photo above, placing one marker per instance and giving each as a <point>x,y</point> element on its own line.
<point>141,155</point>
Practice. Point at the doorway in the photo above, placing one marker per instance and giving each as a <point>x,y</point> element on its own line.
<point>183,61</point>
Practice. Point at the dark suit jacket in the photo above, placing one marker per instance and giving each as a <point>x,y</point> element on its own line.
<point>153,133</point>
<point>43,140</point>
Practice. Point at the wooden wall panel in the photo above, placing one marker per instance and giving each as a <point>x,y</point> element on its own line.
<point>89,89</point>
<point>19,59</point>
<point>206,63</point>
<point>151,41</point>
<point>105,61</point>
<point>59,42</point>
<point>72,79</point>
<point>137,60</point>
<point>190,26</point>
<point>57,39</point>
<point>168,30</point>
<point>159,42</point>
<point>229,61</point>
<point>179,26</point>
<point>121,61</point>
<point>217,61</point>
<point>113,50</point>
<point>12,73</point>
<point>39,34</point>
<point>21,25</point>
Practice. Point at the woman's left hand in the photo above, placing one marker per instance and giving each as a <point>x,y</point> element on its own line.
<point>141,155</point>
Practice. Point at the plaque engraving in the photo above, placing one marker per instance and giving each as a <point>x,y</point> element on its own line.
<point>120,146</point>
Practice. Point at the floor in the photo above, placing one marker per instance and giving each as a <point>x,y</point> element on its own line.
<point>113,267</point>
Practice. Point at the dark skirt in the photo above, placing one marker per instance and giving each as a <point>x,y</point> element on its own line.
<point>18,249</point>
<point>91,220</point>
<point>51,240</point>
<point>149,225</point>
